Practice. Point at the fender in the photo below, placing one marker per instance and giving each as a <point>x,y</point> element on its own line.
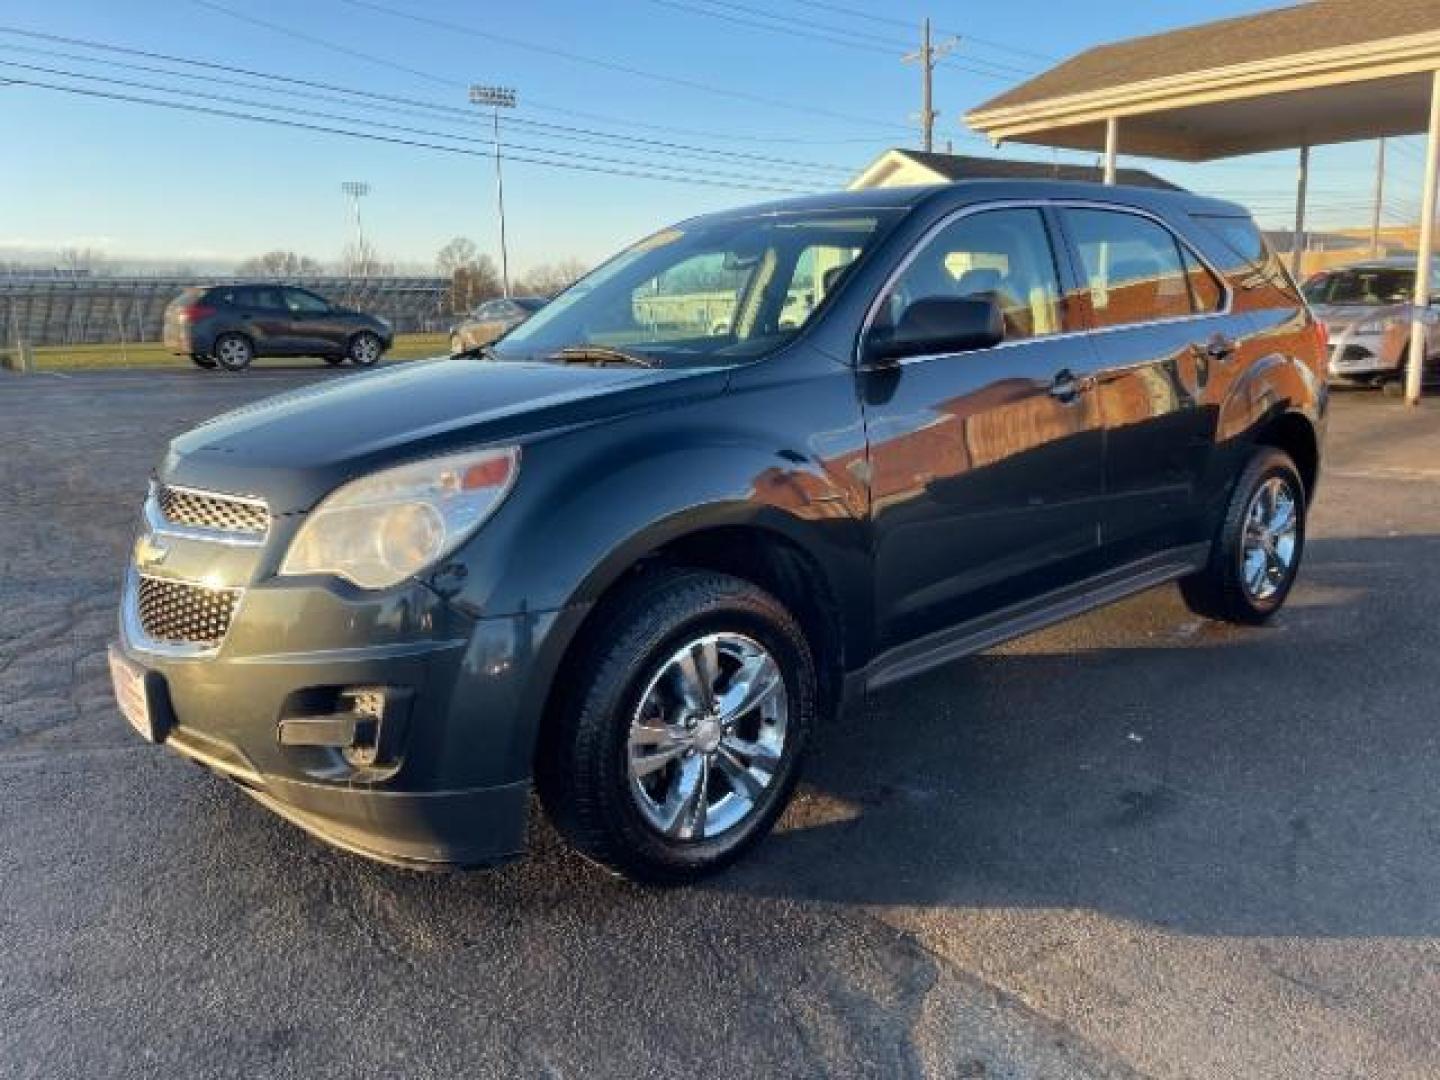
<point>1275,384</point>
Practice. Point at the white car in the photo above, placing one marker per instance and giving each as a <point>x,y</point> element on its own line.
<point>1367,309</point>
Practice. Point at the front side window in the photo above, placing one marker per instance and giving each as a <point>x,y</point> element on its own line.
<point>265,299</point>
<point>304,303</point>
<point>1135,270</point>
<point>1000,255</point>
<point>727,288</point>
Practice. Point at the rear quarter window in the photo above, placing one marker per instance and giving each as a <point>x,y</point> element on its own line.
<point>1240,249</point>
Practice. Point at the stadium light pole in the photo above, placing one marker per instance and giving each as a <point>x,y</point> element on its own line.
<point>357,190</point>
<point>497,97</point>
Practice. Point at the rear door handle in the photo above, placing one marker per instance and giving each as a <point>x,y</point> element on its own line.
<point>1067,386</point>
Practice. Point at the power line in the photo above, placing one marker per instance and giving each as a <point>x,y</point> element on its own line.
<point>181,106</point>
<point>383,102</point>
<point>365,121</point>
<point>564,54</point>
<point>868,43</point>
<point>890,20</point>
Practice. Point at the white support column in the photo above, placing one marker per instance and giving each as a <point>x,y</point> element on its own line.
<point>1421,307</point>
<point>1297,242</point>
<point>1112,148</point>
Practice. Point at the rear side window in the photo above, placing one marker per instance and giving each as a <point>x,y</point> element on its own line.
<point>1135,269</point>
<point>266,299</point>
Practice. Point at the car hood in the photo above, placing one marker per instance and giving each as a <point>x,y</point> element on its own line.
<point>294,449</point>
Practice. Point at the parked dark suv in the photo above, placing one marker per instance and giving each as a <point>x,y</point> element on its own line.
<point>229,325</point>
<point>637,558</point>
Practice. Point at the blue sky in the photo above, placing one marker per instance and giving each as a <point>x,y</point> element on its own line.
<point>140,181</point>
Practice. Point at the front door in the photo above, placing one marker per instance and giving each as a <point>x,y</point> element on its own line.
<point>986,466</point>
<point>314,326</point>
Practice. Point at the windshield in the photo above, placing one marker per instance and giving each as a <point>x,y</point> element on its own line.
<point>730,289</point>
<point>1373,285</point>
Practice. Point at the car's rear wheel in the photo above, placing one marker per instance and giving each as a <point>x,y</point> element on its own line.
<point>680,743</point>
<point>234,352</point>
<point>365,349</point>
<point>1255,557</point>
<point>201,360</point>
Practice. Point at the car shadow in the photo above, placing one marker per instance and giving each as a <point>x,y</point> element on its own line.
<point>1203,778</point>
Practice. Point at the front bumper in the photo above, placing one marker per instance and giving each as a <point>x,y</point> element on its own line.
<point>449,786</point>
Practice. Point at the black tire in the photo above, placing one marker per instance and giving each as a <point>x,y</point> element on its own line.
<point>234,352</point>
<point>334,361</point>
<point>202,361</point>
<point>583,768</point>
<point>365,349</point>
<point>1220,591</point>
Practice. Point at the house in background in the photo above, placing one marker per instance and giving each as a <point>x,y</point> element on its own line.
<point>906,168</point>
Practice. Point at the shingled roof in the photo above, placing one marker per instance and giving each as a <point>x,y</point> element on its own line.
<point>1325,72</point>
<point>1289,31</point>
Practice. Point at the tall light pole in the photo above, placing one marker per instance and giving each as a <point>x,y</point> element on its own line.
<point>357,190</point>
<point>497,97</point>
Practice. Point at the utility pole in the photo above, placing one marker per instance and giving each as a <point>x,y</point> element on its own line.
<point>927,56</point>
<point>1379,201</point>
<point>498,97</point>
<point>357,190</point>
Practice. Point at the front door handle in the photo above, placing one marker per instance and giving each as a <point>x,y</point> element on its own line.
<point>1067,386</point>
<point>1218,347</point>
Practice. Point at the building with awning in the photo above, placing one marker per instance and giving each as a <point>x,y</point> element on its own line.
<point>1330,71</point>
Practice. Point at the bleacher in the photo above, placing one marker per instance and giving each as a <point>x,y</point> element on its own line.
<point>102,309</point>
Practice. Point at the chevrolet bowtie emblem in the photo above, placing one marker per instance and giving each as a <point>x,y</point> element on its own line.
<point>150,551</point>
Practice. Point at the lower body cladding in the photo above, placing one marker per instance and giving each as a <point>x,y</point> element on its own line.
<point>413,752</point>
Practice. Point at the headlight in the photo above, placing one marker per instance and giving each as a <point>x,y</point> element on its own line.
<point>1379,326</point>
<point>383,528</point>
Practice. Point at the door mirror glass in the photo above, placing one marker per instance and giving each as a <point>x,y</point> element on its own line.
<point>936,326</point>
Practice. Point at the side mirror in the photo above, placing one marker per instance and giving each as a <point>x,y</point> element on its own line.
<point>938,326</point>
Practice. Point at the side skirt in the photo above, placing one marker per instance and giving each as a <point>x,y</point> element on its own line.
<point>943,646</point>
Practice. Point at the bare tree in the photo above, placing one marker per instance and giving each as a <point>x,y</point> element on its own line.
<point>460,253</point>
<point>362,260</point>
<point>279,264</point>
<point>473,277</point>
<point>547,279</point>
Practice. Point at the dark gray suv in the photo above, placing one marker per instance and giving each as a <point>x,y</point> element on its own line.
<point>634,555</point>
<point>227,326</point>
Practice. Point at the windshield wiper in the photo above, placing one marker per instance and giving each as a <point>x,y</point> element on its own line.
<point>600,355</point>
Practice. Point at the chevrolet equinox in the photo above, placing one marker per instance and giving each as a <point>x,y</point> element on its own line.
<point>634,555</point>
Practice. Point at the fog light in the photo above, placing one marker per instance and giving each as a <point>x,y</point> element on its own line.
<point>365,723</point>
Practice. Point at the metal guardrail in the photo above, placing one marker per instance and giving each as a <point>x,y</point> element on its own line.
<point>105,310</point>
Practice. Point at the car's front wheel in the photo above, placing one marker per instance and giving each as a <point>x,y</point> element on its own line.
<point>234,352</point>
<point>1255,556</point>
<point>365,349</point>
<point>680,742</point>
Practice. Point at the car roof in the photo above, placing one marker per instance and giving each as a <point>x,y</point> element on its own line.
<point>989,190</point>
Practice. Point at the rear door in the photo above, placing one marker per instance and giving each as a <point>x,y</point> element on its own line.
<point>1162,334</point>
<point>985,466</point>
<point>268,319</point>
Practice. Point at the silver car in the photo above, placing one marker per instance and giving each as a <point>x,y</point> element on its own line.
<point>1367,309</point>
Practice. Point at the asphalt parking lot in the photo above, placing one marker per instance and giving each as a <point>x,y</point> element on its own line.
<point>1134,845</point>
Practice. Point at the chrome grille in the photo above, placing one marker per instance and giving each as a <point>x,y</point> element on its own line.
<point>182,613</point>
<point>219,513</point>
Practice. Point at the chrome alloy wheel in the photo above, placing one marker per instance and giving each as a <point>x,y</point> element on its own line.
<point>365,350</point>
<point>233,352</point>
<point>1272,530</point>
<point>707,737</point>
